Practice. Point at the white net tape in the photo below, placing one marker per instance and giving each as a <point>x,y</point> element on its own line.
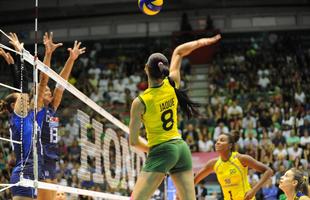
<point>8,140</point>
<point>12,88</point>
<point>60,188</point>
<point>55,187</point>
<point>53,75</point>
<point>7,186</point>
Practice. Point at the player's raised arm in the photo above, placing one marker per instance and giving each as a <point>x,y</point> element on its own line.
<point>184,50</point>
<point>75,52</point>
<point>50,47</point>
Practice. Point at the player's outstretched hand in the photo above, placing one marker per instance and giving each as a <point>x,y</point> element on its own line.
<point>18,46</point>
<point>50,46</point>
<point>7,57</point>
<point>209,41</point>
<point>76,51</point>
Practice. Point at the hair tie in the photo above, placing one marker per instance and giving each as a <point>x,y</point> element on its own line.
<point>299,194</point>
<point>160,66</point>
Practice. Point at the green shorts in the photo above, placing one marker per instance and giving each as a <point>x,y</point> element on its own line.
<point>169,157</point>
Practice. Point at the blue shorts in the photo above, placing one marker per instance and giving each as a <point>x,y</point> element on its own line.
<point>50,158</point>
<point>28,174</point>
<point>49,168</point>
<point>22,191</point>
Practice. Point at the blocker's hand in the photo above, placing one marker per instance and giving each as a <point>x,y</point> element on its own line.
<point>7,56</point>
<point>50,46</point>
<point>76,51</point>
<point>15,42</point>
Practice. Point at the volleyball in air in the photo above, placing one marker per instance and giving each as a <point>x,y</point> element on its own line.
<point>150,7</point>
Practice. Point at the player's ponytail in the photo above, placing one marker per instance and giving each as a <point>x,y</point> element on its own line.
<point>235,136</point>
<point>158,66</point>
<point>188,107</point>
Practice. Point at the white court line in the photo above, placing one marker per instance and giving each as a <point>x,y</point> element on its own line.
<point>8,140</point>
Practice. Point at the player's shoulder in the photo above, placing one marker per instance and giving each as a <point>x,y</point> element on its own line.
<point>214,161</point>
<point>241,156</point>
<point>245,159</point>
<point>138,103</point>
<point>15,115</point>
<point>138,100</point>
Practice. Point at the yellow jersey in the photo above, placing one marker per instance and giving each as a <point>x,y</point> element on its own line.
<point>160,116</point>
<point>233,177</point>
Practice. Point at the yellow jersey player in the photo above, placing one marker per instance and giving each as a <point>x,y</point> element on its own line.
<point>231,169</point>
<point>157,109</point>
<point>161,103</point>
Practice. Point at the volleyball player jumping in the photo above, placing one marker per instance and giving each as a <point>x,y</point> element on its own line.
<point>19,107</point>
<point>49,136</point>
<point>157,109</point>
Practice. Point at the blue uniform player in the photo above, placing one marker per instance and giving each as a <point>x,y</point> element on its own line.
<point>21,125</point>
<point>51,121</point>
<point>24,157</point>
<point>19,106</point>
<point>49,140</point>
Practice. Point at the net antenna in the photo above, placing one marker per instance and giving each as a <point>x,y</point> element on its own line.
<point>35,96</point>
<point>22,69</point>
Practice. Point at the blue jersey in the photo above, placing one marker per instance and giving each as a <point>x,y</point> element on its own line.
<point>27,156</point>
<point>50,134</point>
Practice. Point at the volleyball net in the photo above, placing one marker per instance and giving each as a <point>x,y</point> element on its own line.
<point>95,156</point>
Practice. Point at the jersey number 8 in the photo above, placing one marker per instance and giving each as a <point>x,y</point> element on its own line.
<point>167,119</point>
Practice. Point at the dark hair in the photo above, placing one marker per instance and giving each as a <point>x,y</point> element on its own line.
<point>187,105</point>
<point>5,105</point>
<point>302,182</point>
<point>159,68</point>
<point>233,138</point>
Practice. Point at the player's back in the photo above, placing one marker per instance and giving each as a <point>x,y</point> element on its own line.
<point>160,117</point>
